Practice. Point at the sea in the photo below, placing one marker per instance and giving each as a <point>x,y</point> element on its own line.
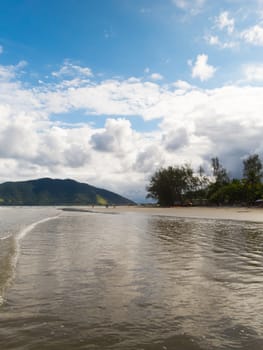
<point>89,280</point>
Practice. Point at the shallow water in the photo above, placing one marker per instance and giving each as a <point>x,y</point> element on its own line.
<point>129,281</point>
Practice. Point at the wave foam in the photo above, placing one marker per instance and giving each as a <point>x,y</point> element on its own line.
<point>29,228</point>
<point>9,259</point>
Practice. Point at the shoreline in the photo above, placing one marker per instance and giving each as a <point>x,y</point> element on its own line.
<point>220,213</point>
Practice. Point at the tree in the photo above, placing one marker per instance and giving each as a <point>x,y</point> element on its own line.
<point>252,173</point>
<point>216,190</point>
<point>170,185</point>
<point>252,170</point>
<point>229,194</point>
<point>219,172</point>
<point>203,180</point>
<point>215,166</point>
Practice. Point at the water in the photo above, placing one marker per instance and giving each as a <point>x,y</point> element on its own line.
<point>15,223</point>
<point>129,281</point>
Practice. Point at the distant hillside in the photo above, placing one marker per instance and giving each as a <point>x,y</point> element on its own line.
<point>57,192</point>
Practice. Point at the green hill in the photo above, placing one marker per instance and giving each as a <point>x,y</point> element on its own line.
<point>48,191</point>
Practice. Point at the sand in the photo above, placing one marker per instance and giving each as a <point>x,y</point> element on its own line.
<point>223,213</point>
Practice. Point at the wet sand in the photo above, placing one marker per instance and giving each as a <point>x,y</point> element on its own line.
<point>222,213</point>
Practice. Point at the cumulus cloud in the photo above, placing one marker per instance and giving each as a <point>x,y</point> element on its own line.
<point>195,124</point>
<point>117,137</point>
<point>224,34</point>
<point>182,85</point>
<point>149,159</point>
<point>175,139</point>
<point>17,141</point>
<point>223,21</point>
<point>201,69</point>
<point>109,97</point>
<point>9,72</point>
<point>253,72</point>
<point>69,69</point>
<point>253,35</point>
<point>215,41</point>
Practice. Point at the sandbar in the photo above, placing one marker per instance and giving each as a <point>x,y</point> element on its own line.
<point>223,213</point>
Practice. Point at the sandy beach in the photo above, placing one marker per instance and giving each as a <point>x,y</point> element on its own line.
<point>223,213</point>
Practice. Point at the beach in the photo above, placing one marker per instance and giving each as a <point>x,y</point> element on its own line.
<point>222,213</point>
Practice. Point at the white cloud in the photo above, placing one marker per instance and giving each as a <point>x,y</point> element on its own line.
<point>253,35</point>
<point>149,159</point>
<point>182,85</point>
<point>215,41</point>
<point>176,139</point>
<point>192,6</point>
<point>253,72</point>
<point>230,45</point>
<point>7,73</point>
<point>223,21</point>
<point>195,124</point>
<point>117,137</point>
<point>110,97</point>
<point>72,70</point>
<point>181,3</point>
<point>201,69</point>
<point>156,76</point>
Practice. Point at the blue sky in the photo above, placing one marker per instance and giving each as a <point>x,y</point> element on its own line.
<point>123,38</point>
<point>108,91</point>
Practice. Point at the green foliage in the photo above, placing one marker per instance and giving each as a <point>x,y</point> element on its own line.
<point>252,171</point>
<point>253,191</point>
<point>171,185</point>
<point>100,200</point>
<point>220,173</point>
<point>228,194</point>
<point>56,192</point>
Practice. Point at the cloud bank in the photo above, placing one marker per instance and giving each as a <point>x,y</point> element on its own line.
<point>194,125</point>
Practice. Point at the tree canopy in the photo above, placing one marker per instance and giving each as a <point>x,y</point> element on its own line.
<point>252,173</point>
<point>169,186</point>
<point>180,184</point>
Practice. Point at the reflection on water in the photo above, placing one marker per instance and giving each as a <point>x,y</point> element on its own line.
<point>94,281</point>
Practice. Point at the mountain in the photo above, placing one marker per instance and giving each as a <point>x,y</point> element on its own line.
<point>48,191</point>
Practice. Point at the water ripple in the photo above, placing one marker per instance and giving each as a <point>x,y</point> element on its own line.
<point>94,281</point>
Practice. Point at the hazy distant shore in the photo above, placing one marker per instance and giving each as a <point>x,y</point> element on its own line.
<point>223,213</point>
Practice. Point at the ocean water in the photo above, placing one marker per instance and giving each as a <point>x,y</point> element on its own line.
<point>76,280</point>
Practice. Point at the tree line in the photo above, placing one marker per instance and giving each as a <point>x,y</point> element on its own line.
<point>180,185</point>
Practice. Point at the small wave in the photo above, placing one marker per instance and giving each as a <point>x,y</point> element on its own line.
<point>22,234</point>
<point>5,237</point>
<point>9,254</point>
<point>29,228</point>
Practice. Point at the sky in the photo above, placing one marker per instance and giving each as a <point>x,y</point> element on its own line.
<point>108,91</point>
